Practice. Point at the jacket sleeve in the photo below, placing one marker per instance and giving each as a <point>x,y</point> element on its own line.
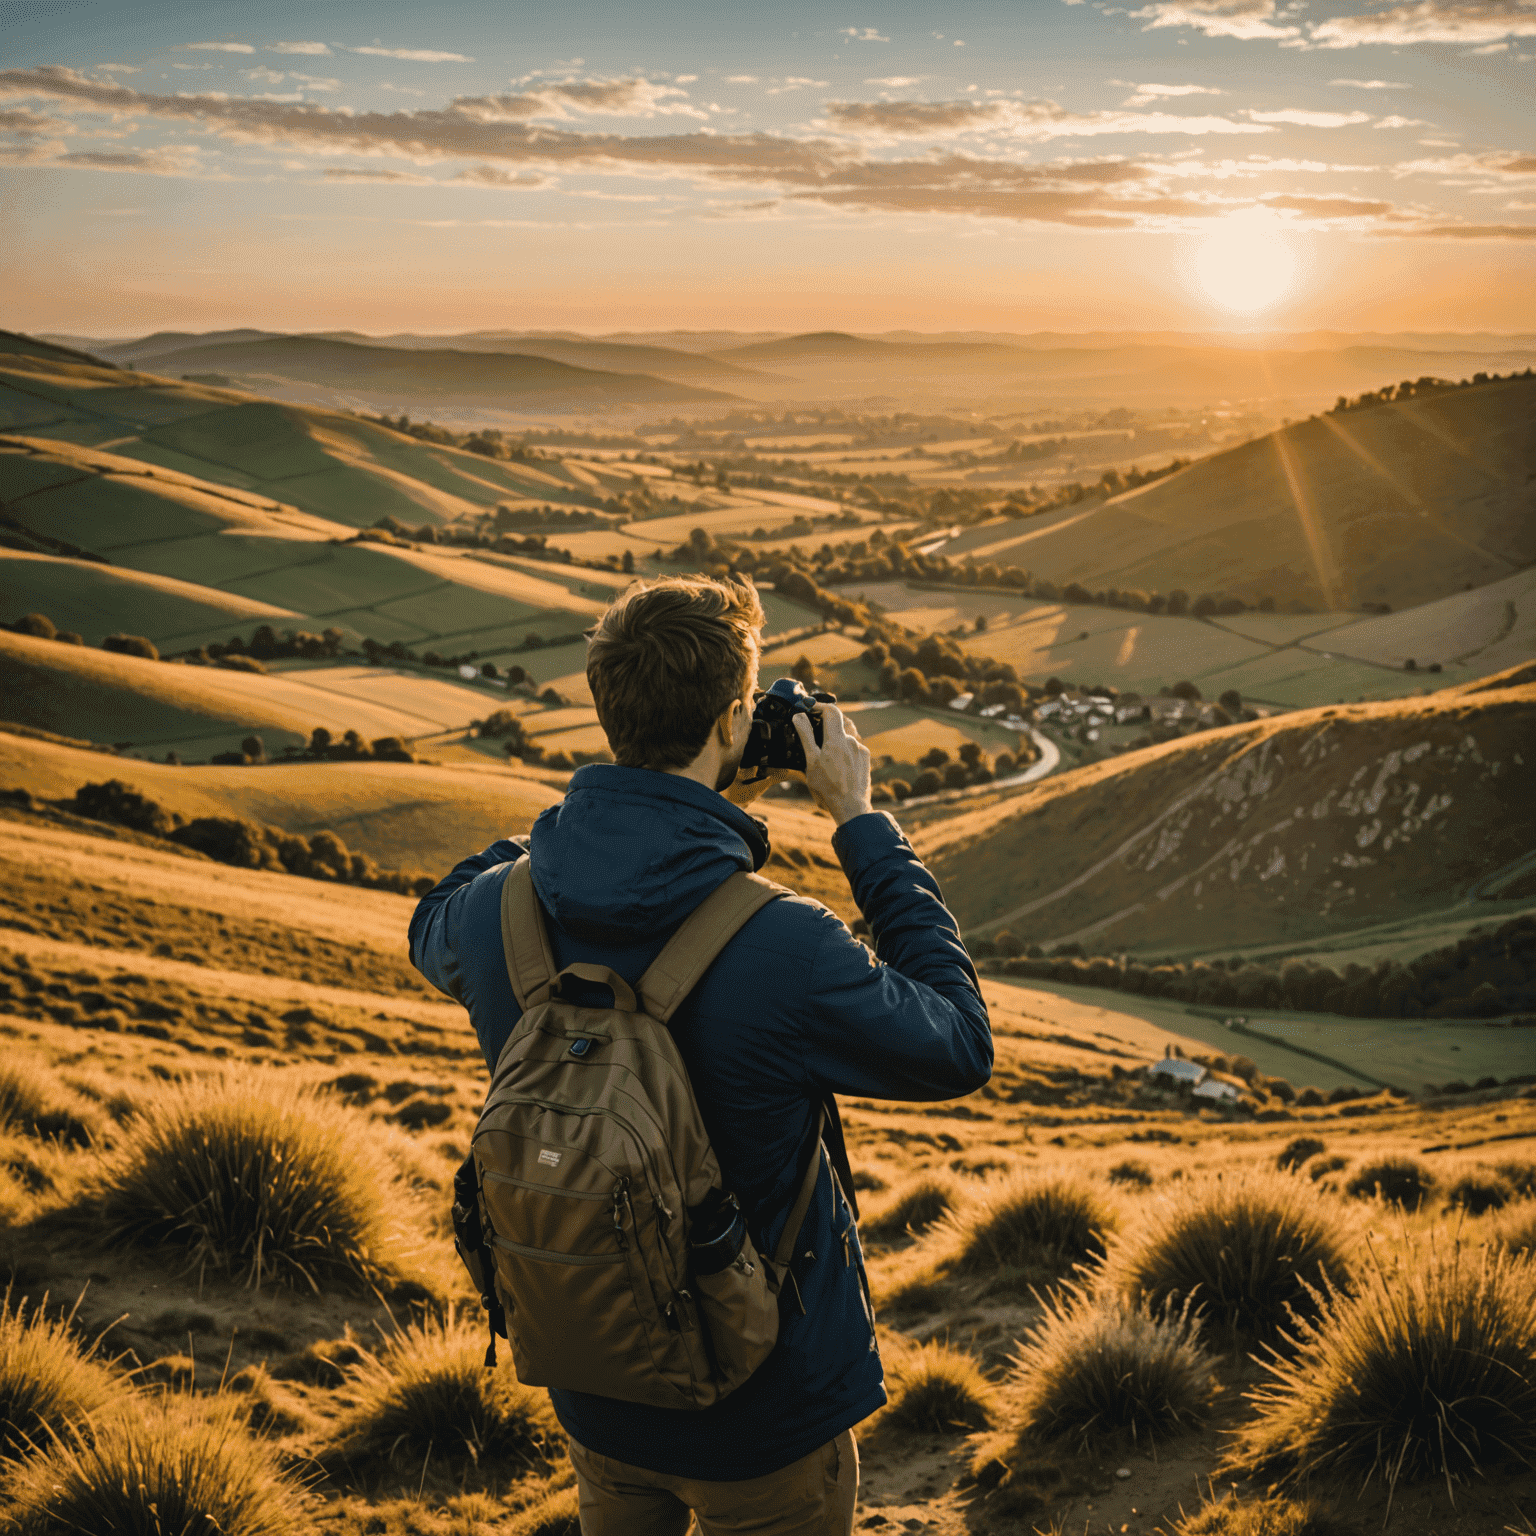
<point>434,924</point>
<point>909,1023</point>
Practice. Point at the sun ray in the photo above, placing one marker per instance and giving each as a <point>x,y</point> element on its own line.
<point>1306,514</point>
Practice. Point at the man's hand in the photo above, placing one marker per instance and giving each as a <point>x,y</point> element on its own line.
<point>743,792</point>
<point>836,772</point>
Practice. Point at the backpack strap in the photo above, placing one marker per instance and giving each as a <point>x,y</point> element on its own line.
<point>530,961</point>
<point>797,1212</point>
<point>699,939</point>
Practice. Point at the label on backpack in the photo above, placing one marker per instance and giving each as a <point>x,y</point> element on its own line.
<point>549,1159</point>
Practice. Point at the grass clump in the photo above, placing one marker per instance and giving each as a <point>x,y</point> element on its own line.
<point>1521,1178</point>
<point>175,1469</point>
<point>1246,1253</point>
<point>1301,1149</point>
<point>428,1397</point>
<point>30,1104</point>
<point>1039,1225</point>
<point>1132,1171</point>
<point>938,1390</point>
<point>1401,1181</point>
<point>1088,1372</point>
<point>1275,1514</point>
<point>912,1210</point>
<point>257,1179</point>
<point>49,1386</point>
<point>1427,1371</point>
<point>1478,1192</point>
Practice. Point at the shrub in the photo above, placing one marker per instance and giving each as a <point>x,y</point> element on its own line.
<point>1478,1193</point>
<point>176,1468</point>
<point>48,1385</point>
<point>36,624</point>
<point>122,805</point>
<point>915,1209</point>
<point>557,1515</point>
<point>1027,1223</point>
<point>1298,1151</point>
<point>1132,1171</point>
<point>1400,1181</point>
<point>429,1389</point>
<point>1088,1372</point>
<point>1427,1371</point>
<point>1274,1514</point>
<point>937,1390</point>
<point>1244,1252</point>
<point>1521,1178</point>
<point>1518,1235</point>
<point>131,645</point>
<point>927,782</point>
<point>261,1180</point>
<point>28,1105</point>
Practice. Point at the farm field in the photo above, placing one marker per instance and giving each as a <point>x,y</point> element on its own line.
<point>136,978</point>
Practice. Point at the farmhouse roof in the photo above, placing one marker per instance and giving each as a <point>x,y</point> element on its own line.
<point>1184,1072</point>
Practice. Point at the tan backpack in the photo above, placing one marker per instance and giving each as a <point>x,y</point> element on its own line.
<point>598,1189</point>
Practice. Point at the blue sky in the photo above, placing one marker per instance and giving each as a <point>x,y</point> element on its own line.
<point>1179,164</point>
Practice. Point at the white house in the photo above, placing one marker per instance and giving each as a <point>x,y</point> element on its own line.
<point>1178,1073</point>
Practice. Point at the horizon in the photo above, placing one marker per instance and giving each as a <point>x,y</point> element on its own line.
<point>1206,166</point>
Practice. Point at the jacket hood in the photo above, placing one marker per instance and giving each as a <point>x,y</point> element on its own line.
<point>629,852</point>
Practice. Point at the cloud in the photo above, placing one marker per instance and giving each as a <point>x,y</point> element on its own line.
<point>29,124</point>
<point>1243,19</point>
<point>264,75</point>
<point>1372,85</point>
<point>617,98</point>
<point>1329,207</point>
<point>1017,119</point>
<point>741,79</point>
<point>171,160</point>
<point>416,55</point>
<point>350,173</point>
<point>305,48</point>
<point>217,47</point>
<point>121,69</point>
<point>684,79</point>
<point>400,90</point>
<point>1498,162</point>
<point>1146,94</point>
<point>863,35</point>
<point>1475,232</point>
<point>794,83</point>
<point>895,82</point>
<point>1430,21</point>
<point>1305,119</point>
<point>492,176</point>
<point>1403,122</point>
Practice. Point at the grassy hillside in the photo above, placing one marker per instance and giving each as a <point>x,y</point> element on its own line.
<point>1271,833</point>
<point>1400,504</point>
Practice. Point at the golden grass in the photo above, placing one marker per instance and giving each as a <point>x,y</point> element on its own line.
<point>32,1101</point>
<point>1029,1223</point>
<point>1244,1251</point>
<point>256,1178</point>
<point>1274,1514</point>
<point>427,1399</point>
<point>1399,1181</point>
<point>913,1208</point>
<point>179,1468</point>
<point>937,1390</point>
<point>1427,1371</point>
<point>49,1386</point>
<point>1089,1371</point>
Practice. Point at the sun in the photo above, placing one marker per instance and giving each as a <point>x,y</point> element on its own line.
<point>1246,263</point>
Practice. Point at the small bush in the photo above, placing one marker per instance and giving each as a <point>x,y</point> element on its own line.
<point>48,1385</point>
<point>1243,1252</point>
<point>914,1209</point>
<point>429,1391</point>
<point>1031,1224</point>
<point>1517,1234</point>
<point>174,1470</point>
<point>1323,1166</point>
<point>558,1515</point>
<point>1521,1178</point>
<point>1294,1153</point>
<point>938,1390</point>
<point>261,1180</point>
<point>1272,1515</point>
<point>123,805</point>
<point>1088,1372</point>
<point>1400,1181</point>
<point>1427,1371</point>
<point>1132,1171</point>
<point>1478,1193</point>
<point>29,1104</point>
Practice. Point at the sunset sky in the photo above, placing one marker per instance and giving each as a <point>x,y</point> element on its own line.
<point>1020,166</point>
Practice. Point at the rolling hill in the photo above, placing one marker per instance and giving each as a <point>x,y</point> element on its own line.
<point>1400,504</point>
<point>1275,833</point>
<point>388,376</point>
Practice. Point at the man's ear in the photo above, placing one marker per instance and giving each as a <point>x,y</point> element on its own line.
<point>725,726</point>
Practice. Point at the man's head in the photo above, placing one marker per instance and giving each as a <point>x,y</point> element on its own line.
<point>669,664</point>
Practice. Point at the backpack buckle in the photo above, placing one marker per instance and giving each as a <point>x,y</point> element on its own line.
<point>581,1047</point>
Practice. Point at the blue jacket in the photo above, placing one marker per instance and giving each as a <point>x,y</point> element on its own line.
<point>794,1008</point>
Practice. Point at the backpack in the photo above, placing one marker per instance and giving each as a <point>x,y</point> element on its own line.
<point>592,1212</point>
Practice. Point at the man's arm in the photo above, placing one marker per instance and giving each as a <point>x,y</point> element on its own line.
<point>433,930</point>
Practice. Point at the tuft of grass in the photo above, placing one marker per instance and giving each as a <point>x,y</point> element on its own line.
<point>1427,1371</point>
<point>269,1407</point>
<point>1323,1166</point>
<point>1023,1223</point>
<point>177,1467</point>
<point>1521,1177</point>
<point>938,1390</point>
<point>1517,1233</point>
<point>49,1386</point>
<point>1132,1171</point>
<point>1090,1371</point>
<point>1298,1151</point>
<point>558,1515</point>
<point>31,1103</point>
<point>913,1209</point>
<point>1478,1192</point>
<point>258,1179</point>
<point>1401,1181</point>
<point>1247,1253</point>
<point>427,1396</point>
<point>1274,1514</point>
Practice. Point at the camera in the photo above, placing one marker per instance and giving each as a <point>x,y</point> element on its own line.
<point>774,742</point>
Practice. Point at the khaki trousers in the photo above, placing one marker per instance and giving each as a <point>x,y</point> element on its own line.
<point>814,1496</point>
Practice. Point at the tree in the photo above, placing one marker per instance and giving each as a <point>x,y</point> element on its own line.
<point>319,741</point>
<point>928,782</point>
<point>1185,690</point>
<point>804,670</point>
<point>1232,702</point>
<point>956,776</point>
<point>981,623</point>
<point>254,748</point>
<point>970,753</point>
<point>38,624</point>
<point>1178,602</point>
<point>1205,606</point>
<point>913,685</point>
<point>131,645</point>
<point>627,564</point>
<point>934,757</point>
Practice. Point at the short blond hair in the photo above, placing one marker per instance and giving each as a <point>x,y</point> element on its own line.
<point>665,662</point>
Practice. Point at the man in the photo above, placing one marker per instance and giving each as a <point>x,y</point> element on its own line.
<point>794,1010</point>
